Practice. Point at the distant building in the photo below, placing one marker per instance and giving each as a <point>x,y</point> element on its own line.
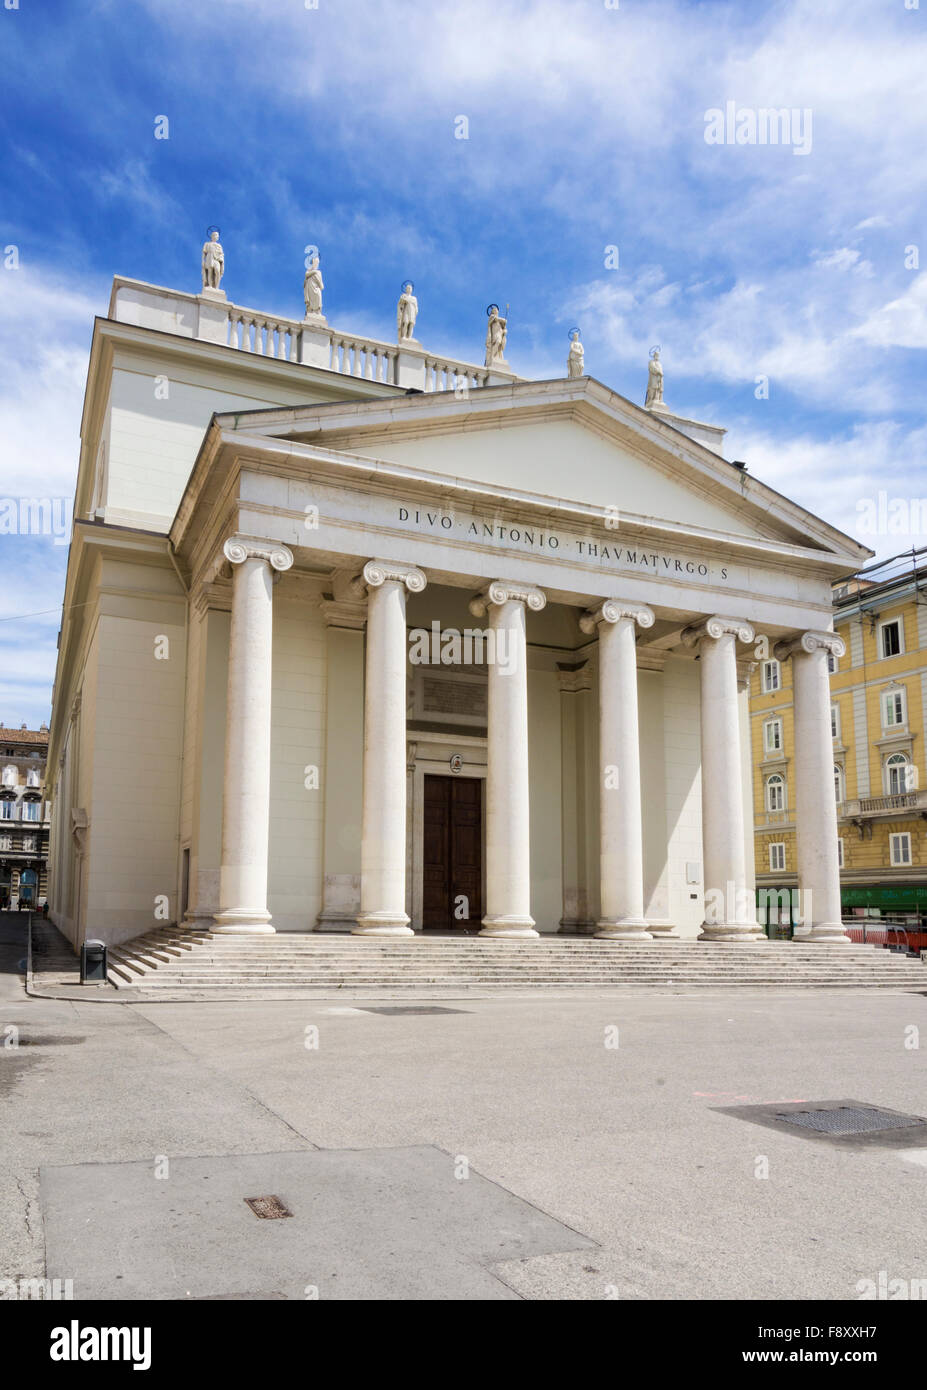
<point>878,718</point>
<point>24,816</point>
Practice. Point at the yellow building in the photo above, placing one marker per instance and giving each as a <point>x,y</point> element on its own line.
<point>879,694</point>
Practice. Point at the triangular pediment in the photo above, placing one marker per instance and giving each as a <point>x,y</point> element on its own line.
<point>567,441</point>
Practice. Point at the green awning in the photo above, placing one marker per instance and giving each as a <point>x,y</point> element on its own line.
<point>887,896</point>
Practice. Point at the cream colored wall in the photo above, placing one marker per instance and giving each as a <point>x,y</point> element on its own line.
<point>545,795</point>
<point>138,731</point>
<point>653,794</point>
<point>343,777</point>
<point>297,742</point>
<point>683,792</point>
<point>154,441</point>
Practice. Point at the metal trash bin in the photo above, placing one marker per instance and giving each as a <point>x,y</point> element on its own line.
<point>93,963</point>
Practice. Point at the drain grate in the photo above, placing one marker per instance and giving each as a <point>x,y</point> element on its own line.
<point>841,1122</point>
<point>414,1009</point>
<point>848,1119</point>
<point>268,1208</point>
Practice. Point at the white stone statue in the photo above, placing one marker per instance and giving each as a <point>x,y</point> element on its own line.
<point>654,397</point>
<point>312,289</point>
<point>496,336</point>
<point>575,357</point>
<point>213,261</point>
<point>406,313</point>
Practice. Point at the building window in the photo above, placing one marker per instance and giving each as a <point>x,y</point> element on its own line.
<point>32,778</point>
<point>838,782</point>
<point>776,857</point>
<point>29,844</point>
<point>894,708</point>
<point>835,721</point>
<point>772,735</point>
<point>31,810</point>
<point>775,793</point>
<point>6,810</point>
<point>832,664</point>
<point>771,676</point>
<point>900,849</point>
<point>6,842</point>
<point>840,852</point>
<point>891,638</point>
<point>900,775</point>
<point>10,777</point>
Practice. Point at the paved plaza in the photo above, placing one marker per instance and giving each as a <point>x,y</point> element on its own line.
<point>544,1147</point>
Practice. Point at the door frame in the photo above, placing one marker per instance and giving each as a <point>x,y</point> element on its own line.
<point>430,754</point>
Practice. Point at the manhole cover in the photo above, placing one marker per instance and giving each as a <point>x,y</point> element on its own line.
<point>414,1009</point>
<point>269,1208</point>
<point>848,1119</point>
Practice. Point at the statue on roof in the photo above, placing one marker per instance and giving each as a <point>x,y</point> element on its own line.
<point>406,313</point>
<point>654,399</point>
<point>496,335</point>
<point>213,260</point>
<point>575,357</point>
<point>312,288</point>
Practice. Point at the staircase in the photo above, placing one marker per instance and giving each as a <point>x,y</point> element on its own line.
<point>174,964</point>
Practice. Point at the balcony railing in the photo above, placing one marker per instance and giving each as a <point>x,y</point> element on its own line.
<point>305,342</point>
<point>898,802</point>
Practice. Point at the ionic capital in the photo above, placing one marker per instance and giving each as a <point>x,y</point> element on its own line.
<point>810,642</point>
<point>503,591</point>
<point>238,549</point>
<point>612,610</point>
<point>377,572</point>
<point>716,627</point>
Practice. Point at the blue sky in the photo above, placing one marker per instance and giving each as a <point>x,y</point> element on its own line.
<point>335,126</point>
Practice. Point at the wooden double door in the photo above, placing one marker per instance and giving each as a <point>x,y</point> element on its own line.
<point>453,853</point>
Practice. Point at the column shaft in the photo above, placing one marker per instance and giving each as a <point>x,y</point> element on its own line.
<point>508,845</point>
<point>383,823</point>
<point>730,909</point>
<point>816,804</point>
<point>620,819</point>
<point>246,790</point>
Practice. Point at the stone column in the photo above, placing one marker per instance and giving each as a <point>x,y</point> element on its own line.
<point>621,836</point>
<point>730,907</point>
<point>246,793</point>
<point>816,804</point>
<point>508,847</point>
<point>383,823</point>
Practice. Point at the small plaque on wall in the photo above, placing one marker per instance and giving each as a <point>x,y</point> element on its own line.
<point>456,762</point>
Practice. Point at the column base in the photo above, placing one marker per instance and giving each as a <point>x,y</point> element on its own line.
<point>824,934</point>
<point>508,926</point>
<point>382,924</point>
<point>622,929</point>
<point>663,931</point>
<point>240,922</point>
<point>732,931</point>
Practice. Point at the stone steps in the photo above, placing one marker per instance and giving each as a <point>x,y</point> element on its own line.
<point>183,964</point>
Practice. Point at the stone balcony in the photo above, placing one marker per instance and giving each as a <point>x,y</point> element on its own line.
<point>896,806</point>
<point>211,318</point>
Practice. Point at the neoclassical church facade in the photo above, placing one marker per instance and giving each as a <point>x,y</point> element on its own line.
<point>360,638</point>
